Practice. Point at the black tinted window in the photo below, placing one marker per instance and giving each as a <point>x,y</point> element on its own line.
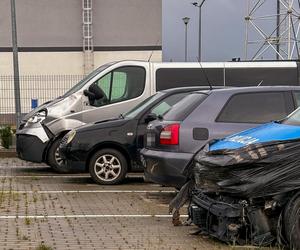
<point>183,108</point>
<point>297,98</point>
<point>255,108</point>
<point>178,77</point>
<point>263,76</point>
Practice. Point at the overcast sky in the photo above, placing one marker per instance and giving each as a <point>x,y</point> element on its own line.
<point>223,29</point>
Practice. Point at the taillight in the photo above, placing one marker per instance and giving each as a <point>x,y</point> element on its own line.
<point>170,135</point>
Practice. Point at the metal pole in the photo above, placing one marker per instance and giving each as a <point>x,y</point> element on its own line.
<point>15,62</point>
<point>185,43</point>
<point>186,21</point>
<point>200,31</point>
<point>278,30</point>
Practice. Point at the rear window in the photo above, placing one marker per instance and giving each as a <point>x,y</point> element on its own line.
<point>183,108</point>
<point>255,108</point>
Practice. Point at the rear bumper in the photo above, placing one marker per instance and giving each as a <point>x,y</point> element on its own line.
<point>30,148</point>
<point>165,167</point>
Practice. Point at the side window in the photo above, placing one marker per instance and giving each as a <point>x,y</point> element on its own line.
<point>255,108</point>
<point>104,83</point>
<point>128,83</point>
<point>165,105</point>
<point>122,84</point>
<point>297,98</point>
<point>167,78</point>
<point>119,85</point>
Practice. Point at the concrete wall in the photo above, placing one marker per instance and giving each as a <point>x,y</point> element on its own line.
<point>50,34</point>
<point>66,63</point>
<point>58,23</point>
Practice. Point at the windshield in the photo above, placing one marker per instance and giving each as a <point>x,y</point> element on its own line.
<point>80,84</point>
<point>293,118</point>
<point>137,109</point>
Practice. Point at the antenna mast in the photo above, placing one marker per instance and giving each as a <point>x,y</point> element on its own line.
<point>272,35</point>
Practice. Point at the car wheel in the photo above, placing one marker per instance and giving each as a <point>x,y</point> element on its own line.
<point>54,159</point>
<point>292,222</point>
<point>108,166</point>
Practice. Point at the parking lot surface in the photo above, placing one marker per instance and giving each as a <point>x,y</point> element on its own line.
<point>41,208</point>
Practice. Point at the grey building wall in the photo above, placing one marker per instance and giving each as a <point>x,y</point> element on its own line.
<point>50,24</point>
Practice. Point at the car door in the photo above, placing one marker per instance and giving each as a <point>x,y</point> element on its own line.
<point>124,87</point>
<point>246,110</point>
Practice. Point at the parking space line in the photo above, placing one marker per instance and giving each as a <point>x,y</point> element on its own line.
<point>85,191</point>
<point>44,176</point>
<point>59,176</point>
<point>89,216</point>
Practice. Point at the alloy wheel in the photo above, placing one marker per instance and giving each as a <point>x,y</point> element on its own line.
<point>107,167</point>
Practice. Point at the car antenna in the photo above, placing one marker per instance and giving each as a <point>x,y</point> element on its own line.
<point>260,83</point>
<point>156,44</point>
<point>209,83</point>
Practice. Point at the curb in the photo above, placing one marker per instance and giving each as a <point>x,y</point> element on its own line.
<point>9,153</point>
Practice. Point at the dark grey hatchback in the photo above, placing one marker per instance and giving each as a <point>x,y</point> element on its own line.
<point>172,141</point>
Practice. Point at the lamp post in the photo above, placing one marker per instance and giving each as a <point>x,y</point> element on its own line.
<point>199,5</point>
<point>186,21</point>
<point>15,62</point>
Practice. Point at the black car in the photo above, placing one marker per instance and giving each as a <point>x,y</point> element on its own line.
<point>109,149</point>
<point>171,142</point>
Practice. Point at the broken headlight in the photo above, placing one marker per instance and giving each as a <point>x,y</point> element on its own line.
<point>37,117</point>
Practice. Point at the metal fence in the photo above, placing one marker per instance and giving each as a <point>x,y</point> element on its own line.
<point>32,87</point>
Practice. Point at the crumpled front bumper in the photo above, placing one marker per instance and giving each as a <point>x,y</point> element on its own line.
<point>32,142</point>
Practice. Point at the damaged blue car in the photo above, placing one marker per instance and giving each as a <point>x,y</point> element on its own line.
<point>245,188</point>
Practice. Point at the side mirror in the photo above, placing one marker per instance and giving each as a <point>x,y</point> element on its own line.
<point>89,94</point>
<point>96,91</point>
<point>150,117</point>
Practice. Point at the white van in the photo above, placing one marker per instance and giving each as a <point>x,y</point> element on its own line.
<point>116,87</point>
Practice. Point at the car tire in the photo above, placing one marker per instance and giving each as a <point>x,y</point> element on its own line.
<point>54,160</point>
<point>291,220</point>
<point>108,167</point>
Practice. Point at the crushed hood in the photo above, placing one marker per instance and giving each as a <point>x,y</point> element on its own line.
<point>58,107</point>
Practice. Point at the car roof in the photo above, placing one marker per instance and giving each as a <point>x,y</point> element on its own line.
<point>192,88</point>
<point>252,89</point>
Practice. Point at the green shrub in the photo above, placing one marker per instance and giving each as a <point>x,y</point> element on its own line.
<point>6,136</point>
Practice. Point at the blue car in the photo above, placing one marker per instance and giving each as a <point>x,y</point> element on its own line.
<point>273,131</point>
<point>246,186</point>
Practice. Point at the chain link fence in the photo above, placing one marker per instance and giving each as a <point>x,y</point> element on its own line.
<point>33,88</point>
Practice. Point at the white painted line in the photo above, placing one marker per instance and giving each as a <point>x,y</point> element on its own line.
<point>89,216</point>
<point>56,176</point>
<point>44,176</point>
<point>85,191</point>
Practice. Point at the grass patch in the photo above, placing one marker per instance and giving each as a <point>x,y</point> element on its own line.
<point>42,246</point>
<point>27,221</point>
<point>25,237</point>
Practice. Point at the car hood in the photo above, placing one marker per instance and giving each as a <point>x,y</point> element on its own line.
<point>273,131</point>
<point>109,123</point>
